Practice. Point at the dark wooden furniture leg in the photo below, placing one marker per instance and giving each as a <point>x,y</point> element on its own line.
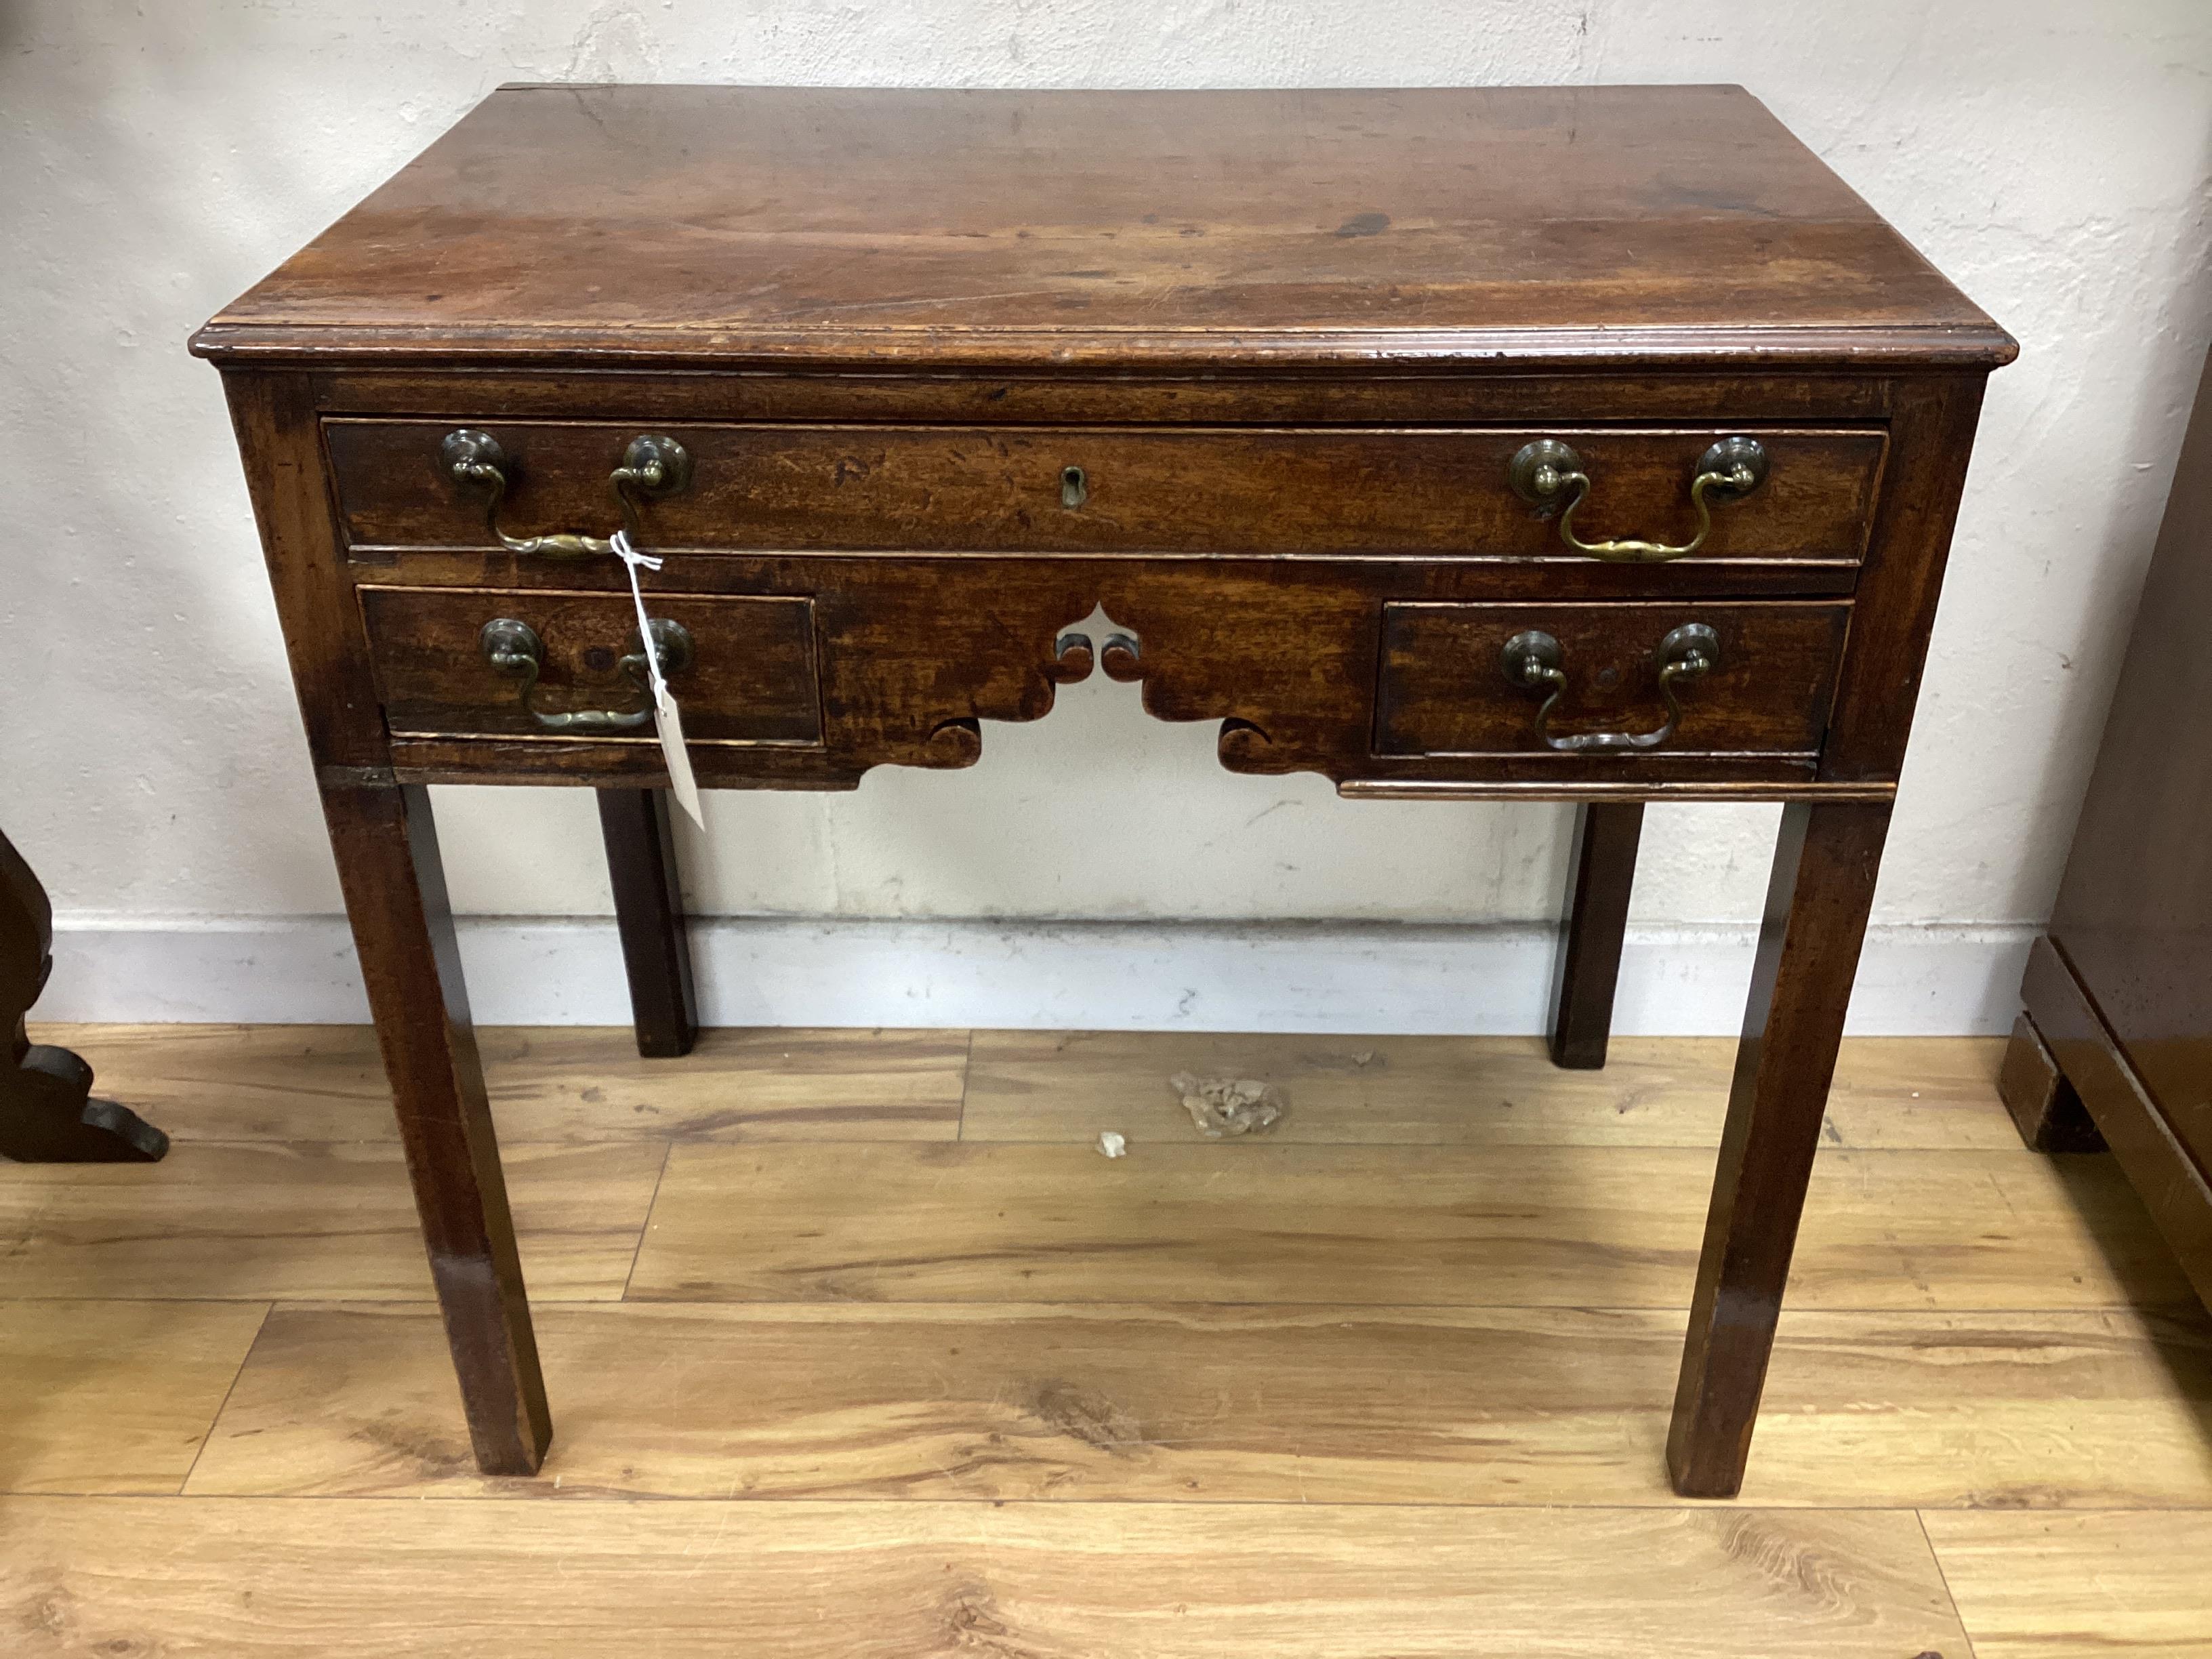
<point>641,841</point>
<point>2045,1109</point>
<point>403,926</point>
<point>1825,864</point>
<point>47,1115</point>
<point>1603,872</point>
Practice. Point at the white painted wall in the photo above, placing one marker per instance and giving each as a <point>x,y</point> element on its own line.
<point>155,159</point>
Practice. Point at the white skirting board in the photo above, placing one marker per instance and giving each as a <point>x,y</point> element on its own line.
<point>1318,977</point>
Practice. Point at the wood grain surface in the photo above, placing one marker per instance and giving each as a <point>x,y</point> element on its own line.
<point>1212,1404</point>
<point>585,1084</point>
<point>1443,688</point>
<point>2058,1586</point>
<point>112,1396</point>
<point>1441,1091</point>
<point>1192,490</point>
<point>247,1580</point>
<point>718,224</point>
<point>1985,1338</point>
<point>1251,1221</point>
<point>305,1220</point>
<point>1282,655</point>
<point>244,1083</point>
<point>750,677</point>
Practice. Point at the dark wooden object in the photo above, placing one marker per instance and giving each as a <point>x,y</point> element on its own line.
<point>2116,1042</point>
<point>395,897</point>
<point>1817,901</point>
<point>964,488</point>
<point>641,841</point>
<point>47,1114</point>
<point>1601,874</point>
<point>1254,372</point>
<point>2045,1109</point>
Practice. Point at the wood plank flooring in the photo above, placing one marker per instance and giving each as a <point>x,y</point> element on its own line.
<point>909,1368</point>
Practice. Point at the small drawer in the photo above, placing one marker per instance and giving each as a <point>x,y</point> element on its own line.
<point>568,665</point>
<point>1335,492</point>
<point>1475,679</point>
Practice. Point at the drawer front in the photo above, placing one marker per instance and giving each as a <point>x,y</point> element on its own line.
<point>1326,492</point>
<point>751,678</point>
<point>1445,686</point>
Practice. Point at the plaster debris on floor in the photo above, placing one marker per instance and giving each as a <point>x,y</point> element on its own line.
<point>1112,1144</point>
<point>1221,1106</point>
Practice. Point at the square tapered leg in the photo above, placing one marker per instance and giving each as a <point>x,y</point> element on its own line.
<point>1603,873</point>
<point>1825,864</point>
<point>649,891</point>
<point>403,927</point>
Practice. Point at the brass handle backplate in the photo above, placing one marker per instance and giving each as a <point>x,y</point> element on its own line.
<point>511,648</point>
<point>1533,660</point>
<point>651,467</point>
<point>1548,473</point>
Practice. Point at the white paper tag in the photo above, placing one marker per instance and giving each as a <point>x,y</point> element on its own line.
<point>681,783</point>
<point>667,720</point>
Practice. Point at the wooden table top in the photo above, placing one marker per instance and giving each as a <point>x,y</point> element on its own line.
<point>720,225</point>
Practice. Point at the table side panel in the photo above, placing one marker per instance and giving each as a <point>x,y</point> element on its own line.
<point>1893,613</point>
<point>280,445</point>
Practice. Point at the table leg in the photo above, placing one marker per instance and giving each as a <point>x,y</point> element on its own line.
<point>1825,864</point>
<point>1603,872</point>
<point>649,914</point>
<point>403,926</point>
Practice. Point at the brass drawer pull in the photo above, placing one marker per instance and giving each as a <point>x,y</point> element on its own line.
<point>651,466</point>
<point>1532,660</point>
<point>1546,472</point>
<point>511,647</point>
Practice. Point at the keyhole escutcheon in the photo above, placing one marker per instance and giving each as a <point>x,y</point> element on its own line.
<point>1074,488</point>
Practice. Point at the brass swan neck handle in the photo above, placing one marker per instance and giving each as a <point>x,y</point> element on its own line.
<point>651,467</point>
<point>1548,472</point>
<point>511,647</point>
<point>1533,660</point>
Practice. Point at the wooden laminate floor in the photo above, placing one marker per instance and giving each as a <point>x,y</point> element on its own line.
<point>858,1347</point>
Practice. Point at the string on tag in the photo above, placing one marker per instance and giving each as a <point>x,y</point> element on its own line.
<point>667,719</point>
<point>633,560</point>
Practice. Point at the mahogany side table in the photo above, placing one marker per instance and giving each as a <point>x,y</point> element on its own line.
<point>1525,444</point>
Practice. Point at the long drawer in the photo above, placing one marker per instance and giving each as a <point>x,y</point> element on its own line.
<point>1322,491</point>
